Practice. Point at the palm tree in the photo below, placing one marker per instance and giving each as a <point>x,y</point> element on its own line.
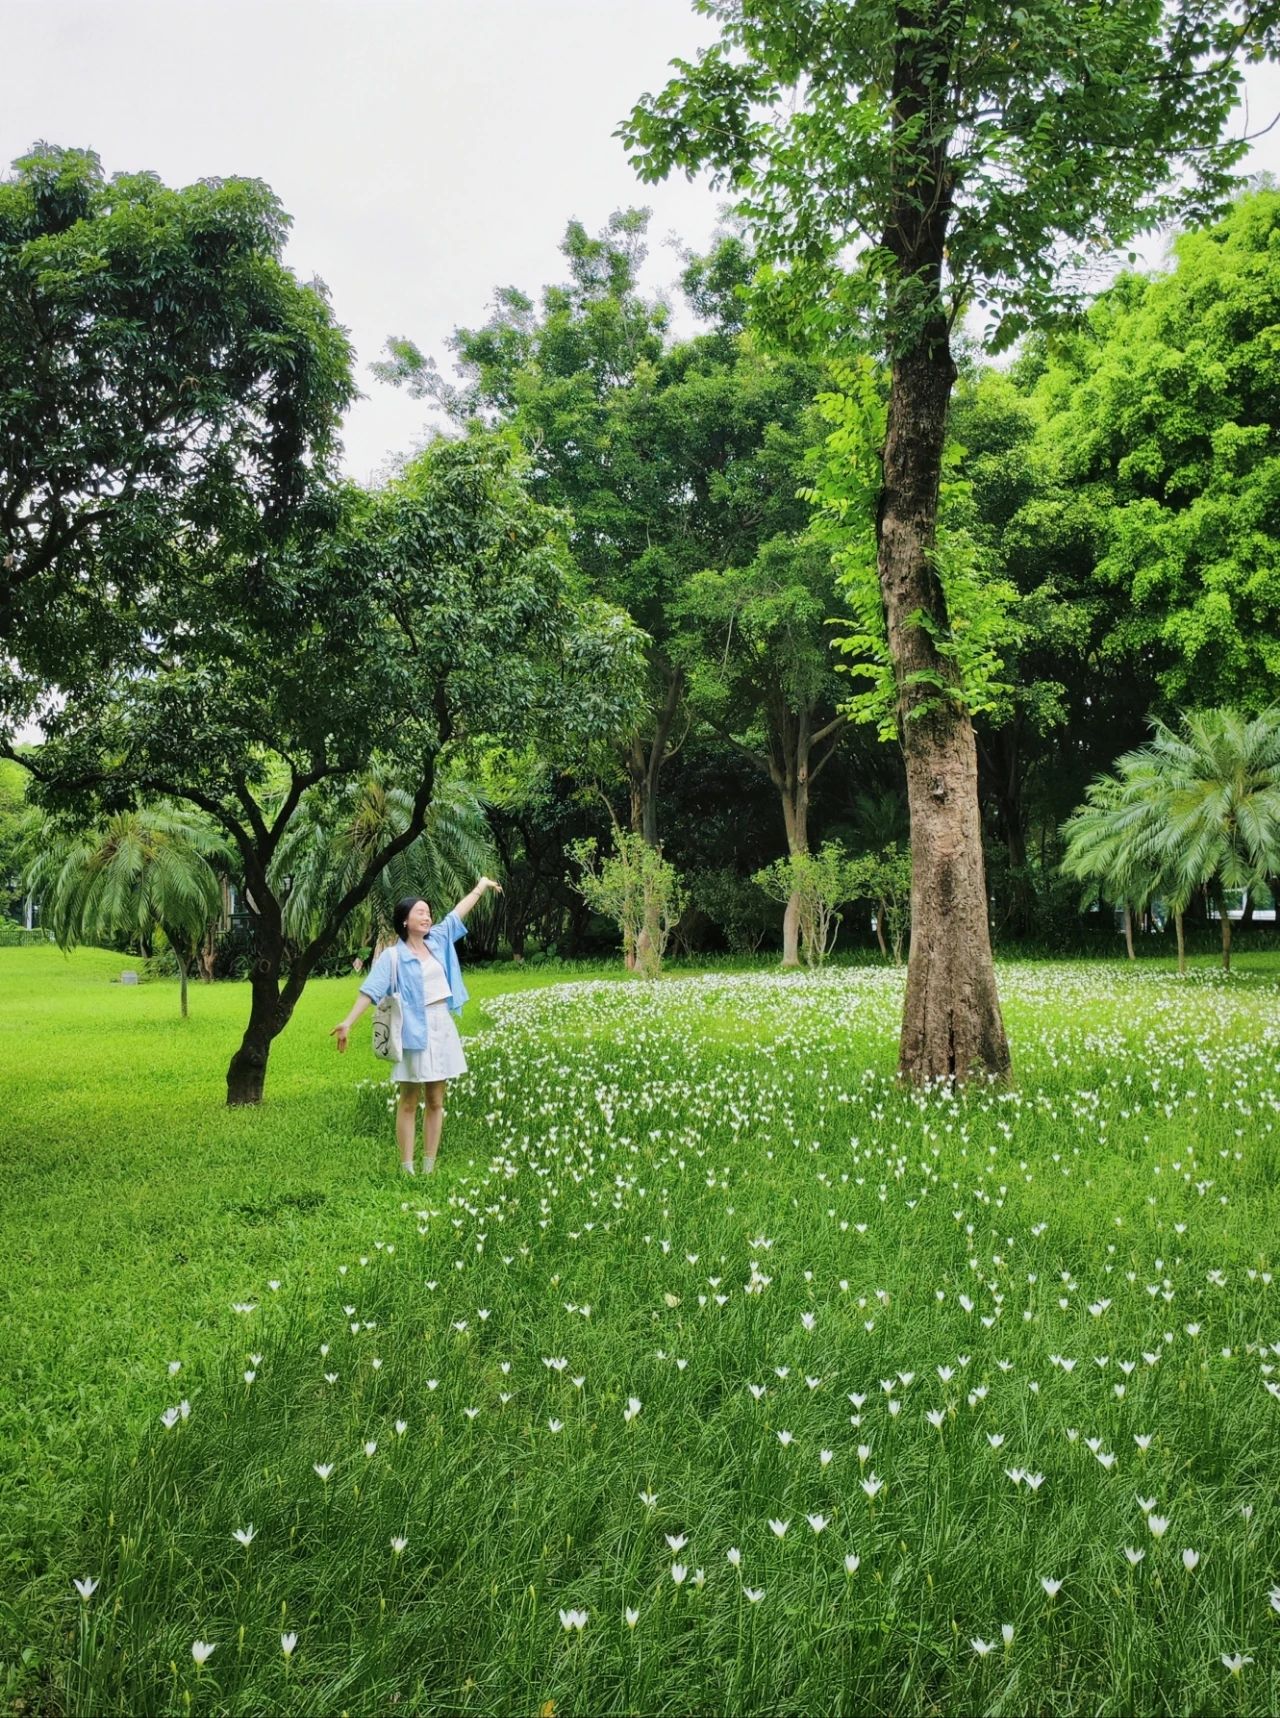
<point>1198,808</point>
<point>127,877</point>
<point>1107,841</point>
<point>331,840</point>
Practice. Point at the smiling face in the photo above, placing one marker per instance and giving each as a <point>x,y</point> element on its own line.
<point>419,921</point>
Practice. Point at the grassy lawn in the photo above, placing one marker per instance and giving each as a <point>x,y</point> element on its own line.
<point>707,1196</point>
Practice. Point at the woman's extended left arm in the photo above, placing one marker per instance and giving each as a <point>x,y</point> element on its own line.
<point>465,905</point>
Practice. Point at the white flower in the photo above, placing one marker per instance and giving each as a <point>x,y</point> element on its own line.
<point>573,1620</point>
<point>324,1469</point>
<point>808,1320</point>
<point>935,1417</point>
<point>402,1426</point>
<point>1189,1560</point>
<point>785,1438</point>
<point>87,1587</point>
<point>1050,1586</point>
<point>249,1377</point>
<point>174,1366</point>
<point>995,1439</point>
<point>371,1447</point>
<point>1159,1525</point>
<point>825,1456</point>
<point>852,1563</point>
<point>753,1594</point>
<point>202,1649</point>
<point>780,1528</point>
<point>871,1485</point>
<point>699,1577</point>
<point>677,1541</point>
<point>1135,1557</point>
<point>1236,1661</point>
<point>632,1408</point>
<point>631,1617</point>
<point>245,1535</point>
<point>1006,1633</point>
<point>555,1425</point>
<point>734,1556</point>
<point>678,1573</point>
<point>817,1522</point>
<point>287,1644</point>
<point>982,1647</point>
<point>169,1418</point>
<point>398,1544</point>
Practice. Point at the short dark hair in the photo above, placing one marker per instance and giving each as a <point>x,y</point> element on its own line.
<point>400,917</point>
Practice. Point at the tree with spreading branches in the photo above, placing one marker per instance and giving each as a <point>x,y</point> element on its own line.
<point>900,163</point>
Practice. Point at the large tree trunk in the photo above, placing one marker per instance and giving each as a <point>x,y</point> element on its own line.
<point>952,1025</point>
<point>247,1070</point>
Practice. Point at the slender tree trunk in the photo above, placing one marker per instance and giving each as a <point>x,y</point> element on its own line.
<point>792,781</point>
<point>884,947</point>
<point>1182,946</point>
<point>1226,936</point>
<point>182,983</point>
<point>952,1025</point>
<point>268,1017</point>
<point>646,756</point>
<point>1128,931</point>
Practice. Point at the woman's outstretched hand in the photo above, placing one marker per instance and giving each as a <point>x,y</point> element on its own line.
<point>488,883</point>
<point>341,1032</point>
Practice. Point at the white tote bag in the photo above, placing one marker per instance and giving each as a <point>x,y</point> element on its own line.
<point>388,1019</point>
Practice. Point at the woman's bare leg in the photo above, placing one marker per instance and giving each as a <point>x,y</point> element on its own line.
<point>432,1123</point>
<point>406,1123</point>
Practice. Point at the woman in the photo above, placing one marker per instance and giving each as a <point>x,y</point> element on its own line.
<point>431,991</point>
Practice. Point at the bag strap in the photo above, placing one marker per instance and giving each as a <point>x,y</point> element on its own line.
<point>395,969</point>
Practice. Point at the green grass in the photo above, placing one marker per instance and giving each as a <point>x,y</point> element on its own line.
<point>1137,1153</point>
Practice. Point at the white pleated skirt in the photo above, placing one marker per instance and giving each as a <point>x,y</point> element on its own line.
<point>442,1059</point>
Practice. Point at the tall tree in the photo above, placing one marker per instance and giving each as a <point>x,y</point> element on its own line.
<point>667,455</point>
<point>456,612</point>
<point>965,153</point>
<point>169,392</point>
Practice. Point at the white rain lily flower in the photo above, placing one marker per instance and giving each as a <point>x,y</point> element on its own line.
<point>203,1649</point>
<point>825,1457</point>
<point>872,1484</point>
<point>852,1563</point>
<point>398,1544</point>
<point>1159,1525</point>
<point>785,1438</point>
<point>631,1617</point>
<point>246,1535</point>
<point>817,1522</point>
<point>648,1498</point>
<point>402,1426</point>
<point>678,1573</point>
<point>632,1408</point>
<point>573,1620</point>
<point>1189,1560</point>
<point>287,1644</point>
<point>753,1595</point>
<point>982,1647</point>
<point>87,1587</point>
<point>324,1469</point>
<point>555,1425</point>
<point>1236,1661</point>
<point>1052,1587</point>
<point>780,1528</point>
<point>734,1556</point>
<point>370,1447</point>
<point>1006,1633</point>
<point>677,1541</point>
<point>1135,1557</point>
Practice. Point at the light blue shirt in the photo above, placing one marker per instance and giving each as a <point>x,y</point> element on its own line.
<point>440,940</point>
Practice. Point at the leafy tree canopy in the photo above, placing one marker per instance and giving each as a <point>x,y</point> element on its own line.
<point>168,392</point>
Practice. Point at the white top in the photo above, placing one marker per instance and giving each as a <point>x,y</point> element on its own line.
<point>435,981</point>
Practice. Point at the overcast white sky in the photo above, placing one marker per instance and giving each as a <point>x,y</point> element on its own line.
<point>428,150</point>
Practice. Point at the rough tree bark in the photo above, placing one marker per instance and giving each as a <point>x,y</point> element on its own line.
<point>952,1025</point>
